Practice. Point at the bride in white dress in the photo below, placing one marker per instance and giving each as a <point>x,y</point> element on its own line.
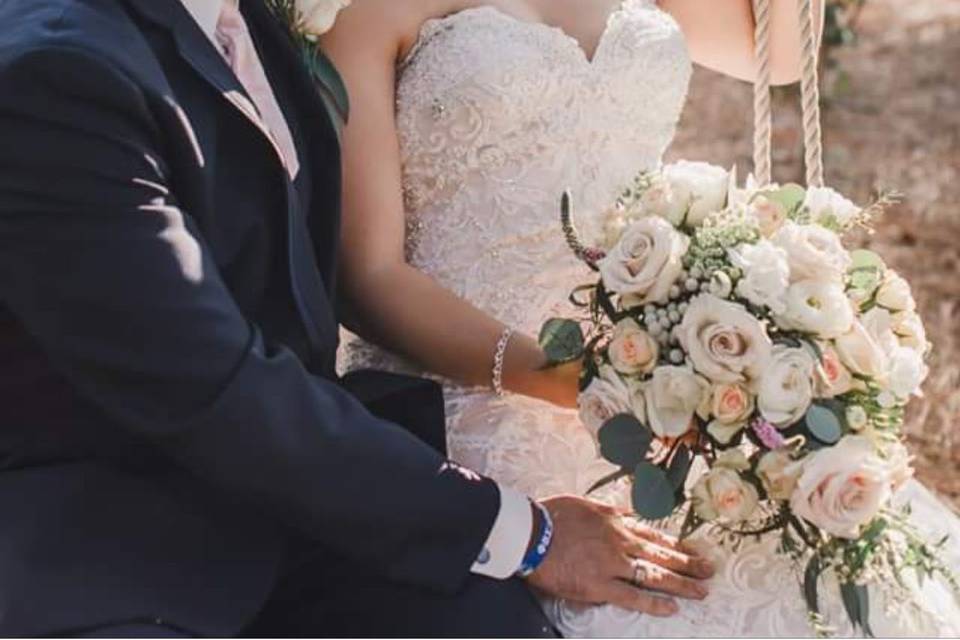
<point>468,122</point>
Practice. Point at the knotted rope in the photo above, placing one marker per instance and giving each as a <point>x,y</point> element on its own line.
<point>809,89</point>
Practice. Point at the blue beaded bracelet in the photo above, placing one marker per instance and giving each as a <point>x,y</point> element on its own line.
<point>538,552</point>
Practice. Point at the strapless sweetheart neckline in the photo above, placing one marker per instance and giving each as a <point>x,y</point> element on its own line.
<point>586,58</point>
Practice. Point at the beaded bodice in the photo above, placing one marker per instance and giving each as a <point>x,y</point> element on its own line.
<point>496,117</point>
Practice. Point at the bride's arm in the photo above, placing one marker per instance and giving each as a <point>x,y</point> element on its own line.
<point>386,300</point>
<point>720,35</point>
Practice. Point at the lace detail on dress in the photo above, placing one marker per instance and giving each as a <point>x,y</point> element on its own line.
<point>496,118</point>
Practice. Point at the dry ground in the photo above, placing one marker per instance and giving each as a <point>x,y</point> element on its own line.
<point>891,120</point>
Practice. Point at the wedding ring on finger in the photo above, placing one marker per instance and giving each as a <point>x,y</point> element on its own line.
<point>641,572</point>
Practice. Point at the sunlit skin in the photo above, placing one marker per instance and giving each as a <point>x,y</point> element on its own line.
<point>385,297</point>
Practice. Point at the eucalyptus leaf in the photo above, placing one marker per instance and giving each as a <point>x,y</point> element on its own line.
<point>561,340</point>
<point>789,196</point>
<point>866,259</point>
<point>624,440</point>
<point>652,494</point>
<point>823,424</point>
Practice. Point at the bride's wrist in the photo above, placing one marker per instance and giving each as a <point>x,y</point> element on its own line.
<point>527,371</point>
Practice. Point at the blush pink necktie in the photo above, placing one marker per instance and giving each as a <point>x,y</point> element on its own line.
<point>237,47</point>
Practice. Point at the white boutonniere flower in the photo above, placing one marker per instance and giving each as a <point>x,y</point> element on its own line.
<point>308,19</point>
<point>316,17</point>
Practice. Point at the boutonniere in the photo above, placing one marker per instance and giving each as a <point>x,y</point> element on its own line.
<point>308,19</point>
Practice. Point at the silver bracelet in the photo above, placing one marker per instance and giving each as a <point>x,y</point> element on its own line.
<point>498,355</point>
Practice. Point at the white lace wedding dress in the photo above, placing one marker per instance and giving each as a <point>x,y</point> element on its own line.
<point>496,118</point>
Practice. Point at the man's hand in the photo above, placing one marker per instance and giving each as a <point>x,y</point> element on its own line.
<point>595,555</point>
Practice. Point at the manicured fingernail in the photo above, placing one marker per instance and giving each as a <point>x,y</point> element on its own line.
<point>704,567</point>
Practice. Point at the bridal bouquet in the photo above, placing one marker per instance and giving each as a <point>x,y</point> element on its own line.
<point>732,325</point>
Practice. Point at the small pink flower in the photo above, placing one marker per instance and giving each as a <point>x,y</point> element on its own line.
<point>769,435</point>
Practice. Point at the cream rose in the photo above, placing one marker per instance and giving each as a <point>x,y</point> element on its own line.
<point>864,349</point>
<point>894,294</point>
<point>672,397</point>
<point>730,406</point>
<point>632,350</point>
<point>907,372</point>
<point>828,207</point>
<point>659,200</point>
<point>722,493</point>
<point>646,261</point>
<point>843,487</point>
<point>832,378</point>
<point>317,16</point>
<point>725,342</point>
<point>698,189</point>
<point>766,274</point>
<point>779,473</point>
<point>785,390</point>
<point>909,329</point>
<point>813,252</point>
<point>769,214</point>
<point>607,395</point>
<point>817,307</point>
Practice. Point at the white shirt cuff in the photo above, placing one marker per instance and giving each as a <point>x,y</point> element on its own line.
<point>506,545</point>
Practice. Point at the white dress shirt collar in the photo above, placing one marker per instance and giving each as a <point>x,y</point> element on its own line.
<point>206,13</point>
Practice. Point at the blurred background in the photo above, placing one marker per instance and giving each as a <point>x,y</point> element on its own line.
<point>890,77</point>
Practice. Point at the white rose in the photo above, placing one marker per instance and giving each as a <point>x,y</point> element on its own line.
<point>724,341</point>
<point>698,187</point>
<point>813,252</point>
<point>910,331</point>
<point>843,487</point>
<point>730,405</point>
<point>766,274</point>
<point>832,378</point>
<point>864,349</point>
<point>646,261</point>
<point>785,389</point>
<point>607,395</point>
<point>828,207</point>
<point>900,464</point>
<point>632,350</point>
<point>769,214</point>
<point>779,473</point>
<point>723,493</point>
<point>317,16</point>
<point>672,396</point>
<point>907,372</point>
<point>817,307</point>
<point>894,294</point>
<point>659,200</point>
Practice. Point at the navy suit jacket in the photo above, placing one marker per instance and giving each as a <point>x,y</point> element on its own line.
<point>170,420</point>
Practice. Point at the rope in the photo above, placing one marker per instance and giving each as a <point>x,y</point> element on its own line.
<point>809,90</point>
<point>762,127</point>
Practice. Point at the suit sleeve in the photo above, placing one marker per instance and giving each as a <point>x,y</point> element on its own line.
<point>104,268</point>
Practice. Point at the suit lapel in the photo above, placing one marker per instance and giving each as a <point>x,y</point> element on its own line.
<point>197,51</point>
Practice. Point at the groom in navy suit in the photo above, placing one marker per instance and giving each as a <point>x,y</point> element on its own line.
<point>177,454</point>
